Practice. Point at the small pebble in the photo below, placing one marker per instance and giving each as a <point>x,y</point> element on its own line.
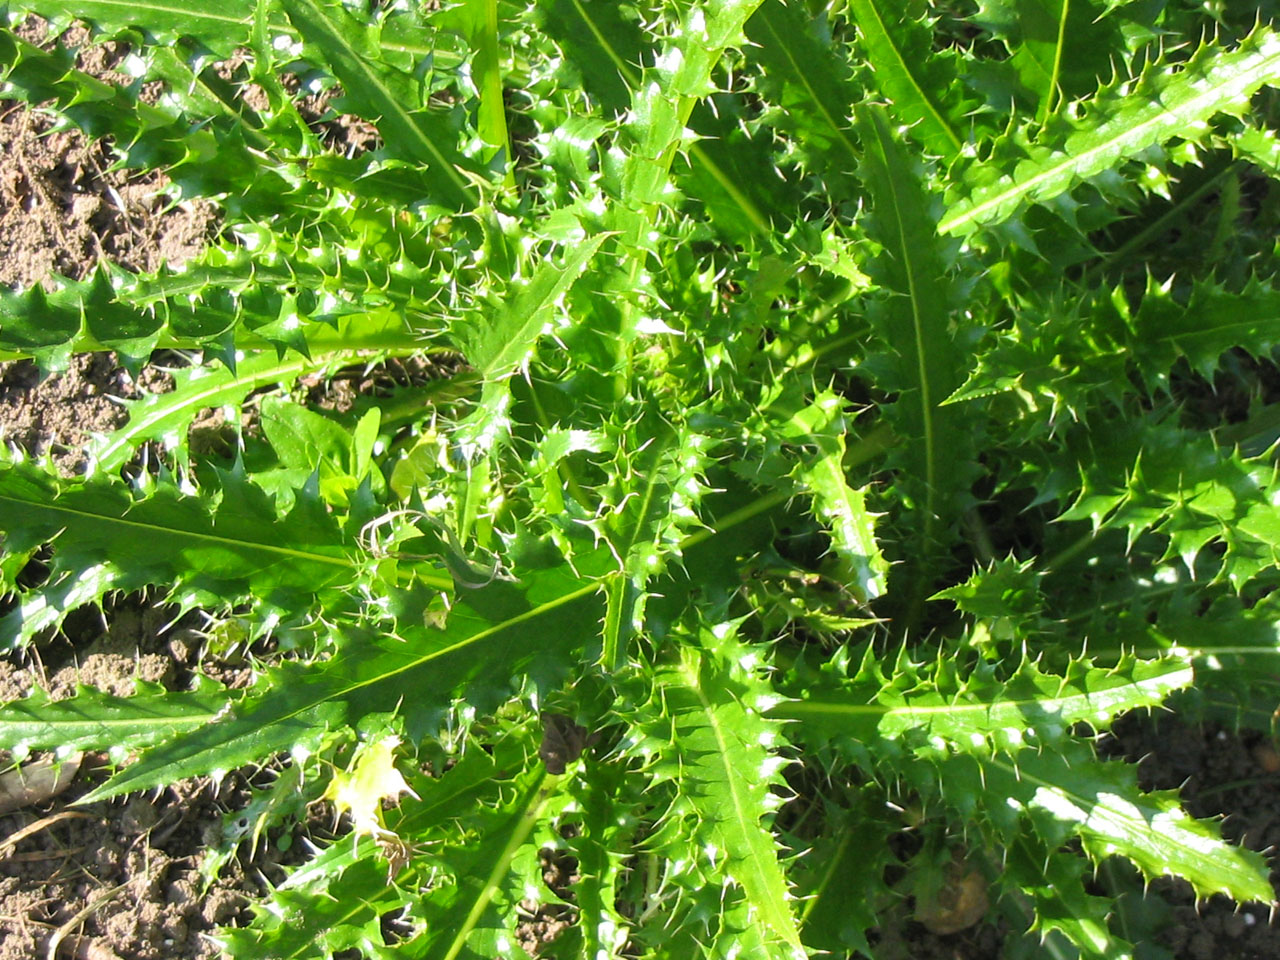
<point>1267,757</point>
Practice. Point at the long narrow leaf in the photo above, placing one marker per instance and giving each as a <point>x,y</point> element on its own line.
<point>925,97</point>
<point>484,643</point>
<point>220,25</point>
<point>1163,103</point>
<point>168,539</point>
<point>712,732</point>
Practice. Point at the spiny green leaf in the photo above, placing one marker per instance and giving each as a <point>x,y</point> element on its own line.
<point>220,25</point>
<point>664,100</point>
<point>1100,802</point>
<point>481,931</point>
<point>809,83</point>
<point>308,444</point>
<point>385,94</point>
<point>1234,649</point>
<point>39,612</point>
<point>609,823</point>
<point>1122,121</point>
<point>841,880</point>
<point>862,566</point>
<point>501,346</point>
<point>1065,792</point>
<point>1056,884</point>
<point>1154,475</point>
<point>921,359</point>
<point>213,22</point>
<point>1061,49</point>
<point>1260,146</point>
<point>224,298</point>
<point>340,910</point>
<point>167,416</point>
<point>728,747</point>
<point>603,41</point>
<point>235,543</point>
<point>734,174</point>
<point>914,269</point>
<point>651,507</point>
<point>1212,321</point>
<point>1069,353</point>
<point>483,644</point>
<point>1007,590</point>
<point>922,84</point>
<point>941,710</point>
<point>93,720</point>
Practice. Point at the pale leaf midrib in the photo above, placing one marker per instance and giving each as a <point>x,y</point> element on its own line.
<point>156,528</point>
<point>746,814</point>
<point>67,726</point>
<point>1079,160</point>
<point>1043,706</point>
<point>389,100</point>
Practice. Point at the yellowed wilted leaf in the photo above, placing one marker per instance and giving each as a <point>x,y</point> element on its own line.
<point>372,778</point>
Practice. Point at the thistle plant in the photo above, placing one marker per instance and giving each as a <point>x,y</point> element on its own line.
<point>818,460</point>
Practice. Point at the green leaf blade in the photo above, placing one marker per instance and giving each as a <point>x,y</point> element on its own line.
<point>94,720</point>
<point>899,49</point>
<point>1163,103</point>
<point>978,710</point>
<point>165,538</point>
<point>1101,803</point>
<point>729,746</point>
<point>385,94</point>
<point>483,645</point>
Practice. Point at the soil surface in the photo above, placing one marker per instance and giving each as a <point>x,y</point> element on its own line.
<point>120,880</point>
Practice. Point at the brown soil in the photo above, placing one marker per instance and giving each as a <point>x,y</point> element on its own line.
<point>119,880</point>
<point>63,210</point>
